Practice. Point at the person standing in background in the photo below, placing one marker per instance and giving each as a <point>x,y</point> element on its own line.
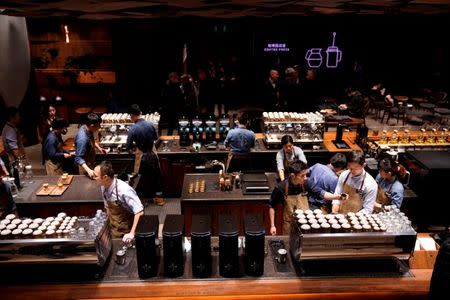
<point>85,145</point>
<point>12,139</point>
<point>171,102</point>
<point>143,135</point>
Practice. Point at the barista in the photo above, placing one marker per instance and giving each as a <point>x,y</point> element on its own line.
<point>143,135</point>
<point>85,145</point>
<point>241,140</point>
<point>322,181</point>
<point>121,201</point>
<point>288,154</point>
<point>292,193</point>
<point>54,155</point>
<point>390,189</point>
<point>356,187</point>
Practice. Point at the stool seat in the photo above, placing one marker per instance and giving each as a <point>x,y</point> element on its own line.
<point>442,110</point>
<point>82,110</point>
<point>99,110</point>
<point>427,105</point>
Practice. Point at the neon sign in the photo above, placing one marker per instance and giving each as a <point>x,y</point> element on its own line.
<point>314,57</point>
<point>276,47</point>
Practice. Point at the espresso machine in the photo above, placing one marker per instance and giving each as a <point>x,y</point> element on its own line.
<point>197,130</point>
<point>224,127</point>
<point>183,131</point>
<point>210,130</point>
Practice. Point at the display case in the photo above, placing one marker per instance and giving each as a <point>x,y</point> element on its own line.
<point>305,128</point>
<point>114,128</point>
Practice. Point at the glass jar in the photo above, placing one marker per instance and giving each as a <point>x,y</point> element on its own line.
<point>383,138</point>
<point>405,137</point>
<point>421,138</point>
<point>443,136</point>
<point>28,174</point>
<point>431,137</point>
<point>394,137</point>
<point>13,187</point>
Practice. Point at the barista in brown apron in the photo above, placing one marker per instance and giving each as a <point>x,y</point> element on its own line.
<point>383,198</point>
<point>288,154</point>
<point>123,212</point>
<point>53,153</point>
<point>291,203</point>
<point>120,219</point>
<point>85,150</point>
<point>353,202</point>
<point>292,194</point>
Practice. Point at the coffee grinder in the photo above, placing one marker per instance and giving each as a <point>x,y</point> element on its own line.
<point>173,245</point>
<point>201,246</point>
<point>147,252</point>
<point>228,246</point>
<point>197,130</point>
<point>210,130</point>
<point>224,127</point>
<point>254,245</point>
<point>183,131</point>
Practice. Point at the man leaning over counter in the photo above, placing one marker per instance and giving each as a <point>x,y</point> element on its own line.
<point>122,204</point>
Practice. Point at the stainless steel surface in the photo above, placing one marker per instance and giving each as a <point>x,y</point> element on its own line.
<point>81,247</point>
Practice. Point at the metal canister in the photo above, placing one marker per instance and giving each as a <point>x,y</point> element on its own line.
<point>120,257</point>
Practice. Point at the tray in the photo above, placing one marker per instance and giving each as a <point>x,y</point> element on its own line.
<point>67,181</point>
<point>51,190</point>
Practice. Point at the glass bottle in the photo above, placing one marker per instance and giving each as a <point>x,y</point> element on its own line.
<point>394,137</point>
<point>28,174</point>
<point>422,136</point>
<point>431,137</point>
<point>405,137</point>
<point>442,137</point>
<point>383,138</point>
<point>13,187</point>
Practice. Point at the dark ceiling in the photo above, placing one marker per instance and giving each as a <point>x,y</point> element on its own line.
<point>135,9</point>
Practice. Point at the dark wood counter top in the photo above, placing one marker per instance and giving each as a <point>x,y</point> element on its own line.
<point>82,198</point>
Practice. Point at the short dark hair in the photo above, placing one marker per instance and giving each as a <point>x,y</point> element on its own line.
<point>297,166</point>
<point>92,119</point>
<point>59,123</point>
<point>11,112</point>
<point>388,165</point>
<point>106,168</point>
<point>356,156</point>
<point>338,161</point>
<point>135,110</point>
<point>243,119</point>
<point>287,139</point>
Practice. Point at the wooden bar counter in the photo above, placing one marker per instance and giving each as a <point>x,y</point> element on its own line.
<point>82,198</point>
<point>122,281</point>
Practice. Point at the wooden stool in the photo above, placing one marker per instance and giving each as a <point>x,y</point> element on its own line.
<point>82,113</point>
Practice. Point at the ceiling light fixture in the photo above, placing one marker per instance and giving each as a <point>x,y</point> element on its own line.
<point>66,31</point>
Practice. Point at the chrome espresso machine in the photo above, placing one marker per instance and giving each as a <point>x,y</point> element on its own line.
<point>305,128</point>
<point>114,128</point>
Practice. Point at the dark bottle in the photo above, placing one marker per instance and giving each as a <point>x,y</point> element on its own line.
<point>16,175</point>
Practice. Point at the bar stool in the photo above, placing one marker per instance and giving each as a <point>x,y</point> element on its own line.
<point>99,110</point>
<point>82,113</point>
<point>443,112</point>
<point>428,106</point>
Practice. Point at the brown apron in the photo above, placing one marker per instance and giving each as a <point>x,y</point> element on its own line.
<point>292,202</point>
<point>120,219</point>
<point>383,197</point>
<point>89,157</point>
<point>137,160</point>
<point>353,203</point>
<point>54,169</point>
<point>4,199</point>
